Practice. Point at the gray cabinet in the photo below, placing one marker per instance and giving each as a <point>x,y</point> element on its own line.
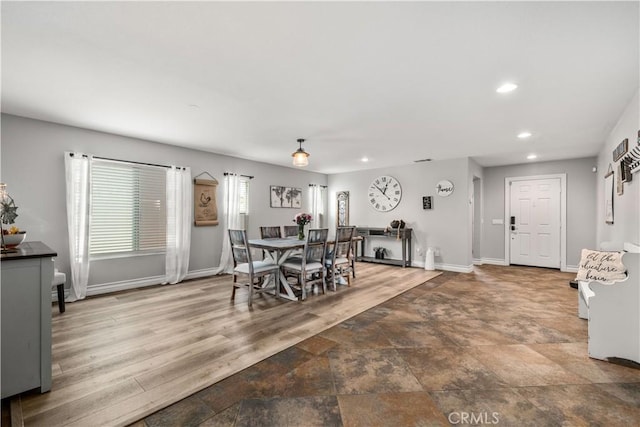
<point>26,319</point>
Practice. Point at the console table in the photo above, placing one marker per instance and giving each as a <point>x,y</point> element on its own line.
<point>27,274</point>
<point>403,235</point>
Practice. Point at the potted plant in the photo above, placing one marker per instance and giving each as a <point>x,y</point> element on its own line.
<point>380,252</point>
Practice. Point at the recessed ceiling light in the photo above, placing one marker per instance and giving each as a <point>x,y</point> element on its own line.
<point>507,87</point>
<point>524,135</point>
<point>531,157</point>
<point>364,159</point>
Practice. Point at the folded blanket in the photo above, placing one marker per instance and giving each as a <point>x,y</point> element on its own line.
<point>604,267</point>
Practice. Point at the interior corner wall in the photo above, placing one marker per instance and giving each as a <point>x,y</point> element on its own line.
<point>445,227</point>
<point>581,217</point>
<point>626,207</point>
<point>32,159</point>
<point>476,180</point>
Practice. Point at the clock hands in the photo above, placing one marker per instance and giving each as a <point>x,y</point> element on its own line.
<point>383,191</point>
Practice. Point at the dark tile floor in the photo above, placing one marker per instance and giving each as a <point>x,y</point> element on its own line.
<point>499,346</point>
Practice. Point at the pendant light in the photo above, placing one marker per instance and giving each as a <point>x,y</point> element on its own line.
<point>300,157</point>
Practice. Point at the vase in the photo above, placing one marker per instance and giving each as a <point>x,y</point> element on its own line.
<point>300,231</point>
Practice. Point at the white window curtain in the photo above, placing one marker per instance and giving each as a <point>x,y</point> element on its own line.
<point>78,183</point>
<point>231,220</point>
<point>318,200</point>
<point>179,213</point>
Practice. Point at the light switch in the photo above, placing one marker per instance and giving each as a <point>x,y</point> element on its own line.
<point>498,221</point>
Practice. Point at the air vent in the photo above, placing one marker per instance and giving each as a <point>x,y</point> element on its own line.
<point>422,160</point>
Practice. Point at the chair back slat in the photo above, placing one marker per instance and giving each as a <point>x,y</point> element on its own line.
<point>316,245</point>
<point>343,243</point>
<point>270,232</point>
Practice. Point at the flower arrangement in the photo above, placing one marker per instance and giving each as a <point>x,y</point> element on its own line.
<point>302,219</point>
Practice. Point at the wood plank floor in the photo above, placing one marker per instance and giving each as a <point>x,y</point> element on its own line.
<point>120,357</point>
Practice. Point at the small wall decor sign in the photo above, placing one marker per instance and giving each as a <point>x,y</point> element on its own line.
<point>285,197</point>
<point>621,149</point>
<point>444,188</point>
<point>427,202</point>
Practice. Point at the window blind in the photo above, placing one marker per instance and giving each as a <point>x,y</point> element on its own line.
<point>244,196</point>
<point>128,208</point>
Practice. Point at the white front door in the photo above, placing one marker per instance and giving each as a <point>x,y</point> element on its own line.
<point>534,222</point>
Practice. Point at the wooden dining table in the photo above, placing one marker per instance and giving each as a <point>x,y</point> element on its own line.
<point>278,250</point>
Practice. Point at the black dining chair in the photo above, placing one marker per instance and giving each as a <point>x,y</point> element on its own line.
<point>310,267</point>
<point>244,265</point>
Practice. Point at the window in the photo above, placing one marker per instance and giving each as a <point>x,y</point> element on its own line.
<point>128,208</point>
<point>244,196</point>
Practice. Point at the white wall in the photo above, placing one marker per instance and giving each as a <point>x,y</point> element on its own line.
<point>626,225</point>
<point>33,168</point>
<point>446,226</point>
<point>581,201</point>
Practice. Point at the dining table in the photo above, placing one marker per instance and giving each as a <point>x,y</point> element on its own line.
<point>278,250</point>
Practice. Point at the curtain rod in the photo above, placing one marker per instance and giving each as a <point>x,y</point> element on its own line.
<point>131,161</point>
<point>317,185</point>
<point>244,176</point>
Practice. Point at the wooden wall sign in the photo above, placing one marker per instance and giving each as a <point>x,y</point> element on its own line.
<point>205,210</point>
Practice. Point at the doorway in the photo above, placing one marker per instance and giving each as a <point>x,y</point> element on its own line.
<point>535,213</point>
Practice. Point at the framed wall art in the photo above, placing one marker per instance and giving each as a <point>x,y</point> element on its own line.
<point>205,209</point>
<point>285,197</point>
<point>427,202</point>
<point>608,196</point>
<point>342,208</point>
<point>621,149</point>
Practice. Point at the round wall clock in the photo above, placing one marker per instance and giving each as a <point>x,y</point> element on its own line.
<point>444,188</point>
<point>384,193</point>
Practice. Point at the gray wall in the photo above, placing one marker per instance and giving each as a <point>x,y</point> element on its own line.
<point>626,225</point>
<point>33,168</point>
<point>446,226</point>
<point>581,202</point>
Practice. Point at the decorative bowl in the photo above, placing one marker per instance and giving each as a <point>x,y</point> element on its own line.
<point>13,240</point>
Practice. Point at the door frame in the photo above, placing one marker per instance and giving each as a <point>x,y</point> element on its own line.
<point>563,214</point>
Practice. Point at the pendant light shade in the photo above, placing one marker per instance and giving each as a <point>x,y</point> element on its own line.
<point>300,157</point>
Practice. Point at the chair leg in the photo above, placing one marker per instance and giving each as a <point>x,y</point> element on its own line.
<point>60,289</point>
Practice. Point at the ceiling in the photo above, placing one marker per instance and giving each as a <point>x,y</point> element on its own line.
<point>393,81</point>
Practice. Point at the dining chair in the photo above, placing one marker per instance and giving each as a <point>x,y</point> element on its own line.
<point>310,267</point>
<point>290,231</point>
<point>339,263</point>
<point>244,265</point>
<point>271,232</point>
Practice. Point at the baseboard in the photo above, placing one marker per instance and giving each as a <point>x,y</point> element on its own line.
<point>477,261</point>
<point>105,288</point>
<point>494,261</point>
<point>197,274</point>
<point>455,267</point>
<point>571,269</point>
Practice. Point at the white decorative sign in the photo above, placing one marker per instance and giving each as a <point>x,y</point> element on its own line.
<point>444,188</point>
